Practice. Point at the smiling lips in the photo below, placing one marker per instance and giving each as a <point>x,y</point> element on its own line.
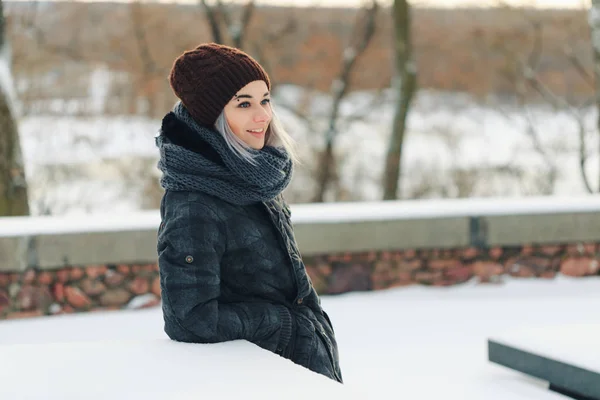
<point>256,132</point>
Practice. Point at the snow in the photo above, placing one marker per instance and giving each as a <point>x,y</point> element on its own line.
<point>454,147</point>
<point>441,208</point>
<point>86,139</point>
<point>571,344</point>
<point>412,342</point>
<point>97,222</point>
<point>340,212</point>
<point>158,369</point>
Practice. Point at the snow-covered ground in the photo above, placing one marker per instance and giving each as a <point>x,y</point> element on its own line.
<point>454,147</point>
<point>414,342</point>
<point>157,369</point>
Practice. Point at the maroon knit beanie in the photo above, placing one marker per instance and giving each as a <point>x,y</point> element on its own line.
<point>205,79</point>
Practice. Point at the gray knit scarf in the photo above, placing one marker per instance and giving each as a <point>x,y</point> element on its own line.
<point>237,182</point>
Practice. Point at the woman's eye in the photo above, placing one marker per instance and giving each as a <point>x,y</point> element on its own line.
<point>246,104</point>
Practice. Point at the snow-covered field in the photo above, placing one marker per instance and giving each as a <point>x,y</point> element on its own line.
<point>454,147</point>
<point>415,342</point>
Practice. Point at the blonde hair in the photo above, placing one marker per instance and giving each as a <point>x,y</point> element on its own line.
<point>276,136</point>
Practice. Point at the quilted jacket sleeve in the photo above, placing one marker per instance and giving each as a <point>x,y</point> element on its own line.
<point>190,245</point>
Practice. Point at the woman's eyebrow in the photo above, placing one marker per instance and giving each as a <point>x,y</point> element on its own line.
<point>247,96</point>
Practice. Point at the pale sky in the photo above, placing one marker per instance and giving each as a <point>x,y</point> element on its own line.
<point>533,3</point>
<point>440,3</point>
<point>424,3</point>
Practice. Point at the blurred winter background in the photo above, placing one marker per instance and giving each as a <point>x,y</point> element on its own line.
<point>437,99</point>
<point>387,99</point>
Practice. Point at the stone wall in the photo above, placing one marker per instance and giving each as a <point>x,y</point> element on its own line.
<point>111,287</point>
<point>342,273</point>
<point>77,289</point>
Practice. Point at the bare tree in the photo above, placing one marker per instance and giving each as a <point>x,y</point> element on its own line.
<point>405,84</point>
<point>150,72</point>
<point>527,68</point>
<point>520,72</point>
<point>339,90</point>
<point>13,186</point>
<point>272,39</point>
<point>224,28</point>
<point>524,52</point>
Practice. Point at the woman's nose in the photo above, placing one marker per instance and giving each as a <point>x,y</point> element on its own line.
<point>261,117</point>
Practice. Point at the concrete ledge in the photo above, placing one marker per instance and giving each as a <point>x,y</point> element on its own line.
<point>122,247</point>
<point>565,378</point>
<point>562,355</point>
<point>568,227</point>
<point>53,242</point>
<point>322,238</point>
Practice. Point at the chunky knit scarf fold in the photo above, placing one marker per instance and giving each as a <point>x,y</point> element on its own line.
<point>236,180</point>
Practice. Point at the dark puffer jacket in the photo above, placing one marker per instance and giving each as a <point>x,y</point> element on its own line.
<point>230,272</point>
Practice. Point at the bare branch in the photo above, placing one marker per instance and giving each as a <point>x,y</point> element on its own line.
<point>579,67</point>
<point>530,74</point>
<point>224,13</point>
<point>291,26</point>
<point>526,73</point>
<point>69,51</point>
<point>271,39</point>
<point>378,99</point>
<point>556,101</point>
<point>583,156</point>
<point>229,26</point>
<point>533,134</point>
<point>240,34</point>
<point>339,90</point>
<point>537,48</point>
<point>148,63</point>
<point>224,29</point>
<point>304,117</point>
<point>340,85</point>
<point>213,22</point>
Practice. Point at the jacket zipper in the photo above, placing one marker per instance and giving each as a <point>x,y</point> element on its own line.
<point>323,339</point>
<point>279,226</point>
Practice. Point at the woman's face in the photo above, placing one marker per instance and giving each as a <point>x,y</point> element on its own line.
<point>249,114</point>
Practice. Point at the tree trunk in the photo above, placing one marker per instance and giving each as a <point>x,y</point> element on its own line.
<point>405,83</point>
<point>594,22</point>
<point>13,187</point>
<point>340,87</point>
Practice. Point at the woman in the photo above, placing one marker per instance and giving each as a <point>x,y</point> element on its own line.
<point>229,265</point>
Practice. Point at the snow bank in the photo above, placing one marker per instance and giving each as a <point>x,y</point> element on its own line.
<point>157,369</point>
<point>414,343</point>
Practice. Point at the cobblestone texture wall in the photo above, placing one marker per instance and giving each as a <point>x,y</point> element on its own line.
<point>112,287</point>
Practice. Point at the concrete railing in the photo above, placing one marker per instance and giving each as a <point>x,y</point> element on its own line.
<point>54,242</point>
<point>351,246</point>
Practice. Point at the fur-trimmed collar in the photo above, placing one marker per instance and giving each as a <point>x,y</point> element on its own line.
<point>180,134</point>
